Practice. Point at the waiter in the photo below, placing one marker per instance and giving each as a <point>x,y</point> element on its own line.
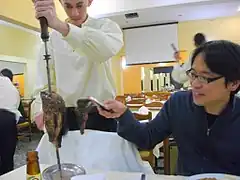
<point>179,71</point>
<point>80,49</point>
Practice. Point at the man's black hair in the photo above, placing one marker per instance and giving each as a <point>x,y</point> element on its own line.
<point>199,39</point>
<point>222,57</point>
<point>7,73</point>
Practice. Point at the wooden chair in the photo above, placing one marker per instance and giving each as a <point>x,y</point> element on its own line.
<point>166,158</point>
<point>158,95</point>
<point>141,117</point>
<point>146,155</point>
<point>25,128</point>
<point>122,99</point>
<point>170,156</point>
<point>155,105</point>
<point>139,95</point>
<point>164,96</point>
<point>136,103</point>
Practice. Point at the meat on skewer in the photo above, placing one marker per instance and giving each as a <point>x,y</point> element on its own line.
<point>53,107</point>
<point>84,106</point>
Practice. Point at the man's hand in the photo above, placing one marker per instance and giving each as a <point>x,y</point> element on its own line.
<point>177,56</point>
<point>117,107</point>
<point>46,8</point>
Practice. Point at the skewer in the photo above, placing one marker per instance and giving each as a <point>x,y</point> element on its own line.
<point>45,38</point>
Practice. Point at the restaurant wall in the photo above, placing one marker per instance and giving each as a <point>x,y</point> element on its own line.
<point>20,45</point>
<point>220,28</point>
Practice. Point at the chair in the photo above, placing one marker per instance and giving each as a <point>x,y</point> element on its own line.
<point>166,158</point>
<point>135,103</point>
<point>122,99</point>
<point>141,117</point>
<point>146,155</point>
<point>155,105</point>
<point>170,156</point>
<point>25,128</point>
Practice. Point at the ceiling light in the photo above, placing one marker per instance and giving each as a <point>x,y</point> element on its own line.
<point>239,8</point>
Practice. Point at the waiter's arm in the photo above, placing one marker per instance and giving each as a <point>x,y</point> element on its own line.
<point>101,44</point>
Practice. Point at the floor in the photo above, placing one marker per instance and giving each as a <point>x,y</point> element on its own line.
<point>23,147</point>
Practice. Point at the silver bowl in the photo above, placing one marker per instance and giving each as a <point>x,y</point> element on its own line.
<point>68,171</point>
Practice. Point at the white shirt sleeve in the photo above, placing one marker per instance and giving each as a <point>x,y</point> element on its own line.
<point>179,72</point>
<point>100,44</point>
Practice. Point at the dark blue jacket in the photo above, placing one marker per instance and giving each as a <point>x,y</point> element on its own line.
<point>199,152</point>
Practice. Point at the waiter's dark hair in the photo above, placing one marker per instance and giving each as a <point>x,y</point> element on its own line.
<point>199,39</point>
<point>222,57</point>
<point>7,73</point>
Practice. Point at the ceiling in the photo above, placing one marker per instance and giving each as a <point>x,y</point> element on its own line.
<point>149,11</point>
<point>154,12</point>
<point>114,7</point>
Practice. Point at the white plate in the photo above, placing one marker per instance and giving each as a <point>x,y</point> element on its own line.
<point>213,175</point>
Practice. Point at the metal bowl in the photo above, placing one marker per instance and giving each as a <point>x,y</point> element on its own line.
<point>68,171</point>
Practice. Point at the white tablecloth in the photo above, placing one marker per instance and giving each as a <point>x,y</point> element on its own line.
<point>92,149</point>
<point>20,174</point>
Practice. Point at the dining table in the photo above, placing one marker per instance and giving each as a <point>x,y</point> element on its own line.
<point>20,174</point>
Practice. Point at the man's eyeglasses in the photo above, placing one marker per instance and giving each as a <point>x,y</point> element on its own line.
<point>204,80</point>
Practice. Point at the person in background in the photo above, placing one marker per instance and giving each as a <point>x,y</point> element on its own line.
<point>204,121</point>
<point>8,73</point>
<point>179,70</point>
<point>9,117</point>
<point>80,49</point>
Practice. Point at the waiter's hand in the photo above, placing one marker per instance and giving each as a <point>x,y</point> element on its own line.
<point>177,56</point>
<point>117,107</point>
<point>46,8</point>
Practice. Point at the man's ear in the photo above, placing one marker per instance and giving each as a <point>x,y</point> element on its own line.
<point>233,86</point>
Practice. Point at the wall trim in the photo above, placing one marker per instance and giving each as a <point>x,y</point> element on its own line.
<point>14,59</point>
<point>9,24</point>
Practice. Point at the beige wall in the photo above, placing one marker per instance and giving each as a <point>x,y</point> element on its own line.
<point>17,45</point>
<point>221,28</point>
<point>22,11</point>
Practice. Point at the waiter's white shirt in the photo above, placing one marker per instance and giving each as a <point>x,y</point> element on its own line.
<point>80,62</point>
<point>179,72</point>
<point>9,97</point>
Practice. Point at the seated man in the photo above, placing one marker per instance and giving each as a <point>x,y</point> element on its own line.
<point>204,122</point>
<point>9,116</point>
